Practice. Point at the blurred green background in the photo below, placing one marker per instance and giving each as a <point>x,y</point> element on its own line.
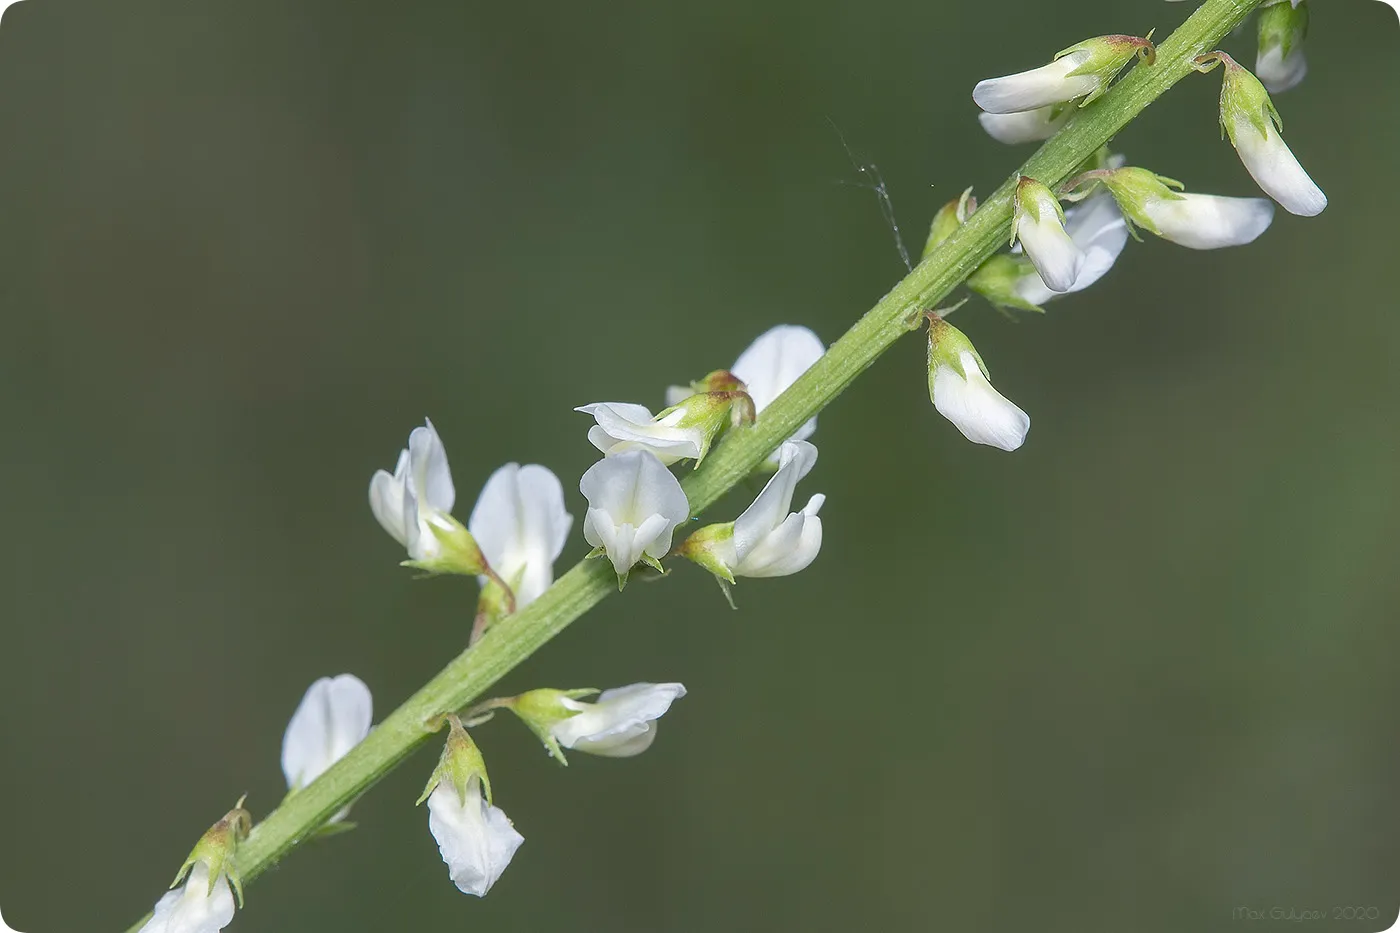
<point>1135,676</point>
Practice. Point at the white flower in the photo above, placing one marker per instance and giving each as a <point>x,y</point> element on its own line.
<point>1039,228</point>
<point>634,506</point>
<point>773,362</point>
<point>1280,72</point>
<point>333,717</point>
<point>1098,229</point>
<point>193,907</point>
<point>623,426</point>
<point>958,385</point>
<point>1027,126</point>
<point>520,524</point>
<point>1040,87</point>
<point>476,839</point>
<point>620,723</point>
<point>417,495</point>
<point>1209,221</point>
<point>1272,164</point>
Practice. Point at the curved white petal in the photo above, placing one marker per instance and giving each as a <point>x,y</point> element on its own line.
<point>1272,164</point>
<point>790,548</point>
<point>1049,247</point>
<point>476,839</point>
<point>1027,126</point>
<point>429,475</point>
<point>620,723</point>
<point>1097,227</point>
<point>770,508</point>
<point>386,499</point>
<point>1039,87</point>
<point>774,361</point>
<point>623,426</point>
<point>520,524</point>
<point>634,505</point>
<point>191,908</point>
<point>333,717</point>
<point>979,411</point>
<point>1209,221</point>
<point>1278,72</point>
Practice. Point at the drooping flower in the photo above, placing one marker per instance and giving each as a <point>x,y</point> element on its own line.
<point>475,838</point>
<point>333,717</point>
<point>1039,227</point>
<point>1281,64</point>
<point>414,504</point>
<point>619,724</point>
<point>1250,120</point>
<point>1079,73</point>
<point>634,506</point>
<point>520,524</point>
<point>767,540</point>
<point>1025,126</point>
<point>962,392</point>
<point>1098,230</point>
<point>1197,221</point>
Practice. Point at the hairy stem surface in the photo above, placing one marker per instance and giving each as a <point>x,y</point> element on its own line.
<point>515,638</point>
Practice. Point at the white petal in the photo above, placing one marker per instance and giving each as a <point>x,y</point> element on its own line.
<point>190,908</point>
<point>1056,257</point>
<point>1039,87</point>
<point>623,426</point>
<point>333,717</point>
<point>1209,221</point>
<point>520,524</point>
<point>1097,227</point>
<point>386,500</point>
<point>429,475</point>
<point>770,508</point>
<point>775,360</point>
<point>619,723</point>
<point>1271,163</point>
<point>1027,126</point>
<point>1279,74</point>
<point>790,548</point>
<point>978,410</point>
<point>476,839</point>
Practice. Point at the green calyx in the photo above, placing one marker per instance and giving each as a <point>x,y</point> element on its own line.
<point>1283,25</point>
<point>949,218</point>
<point>710,410</point>
<point>460,553</point>
<point>946,345</point>
<point>1134,188</point>
<point>706,547</point>
<point>1106,57</point>
<point>1243,98</point>
<point>218,850</point>
<point>540,710</point>
<point>460,762</point>
<point>996,280</point>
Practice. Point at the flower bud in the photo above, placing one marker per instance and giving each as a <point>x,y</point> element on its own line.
<point>1196,221</point>
<point>1248,117</point>
<point>619,724</point>
<point>205,904</point>
<point>1081,72</point>
<point>961,391</point>
<point>1001,281</point>
<point>949,218</point>
<point>1281,64</point>
<point>475,838</point>
<point>1039,225</point>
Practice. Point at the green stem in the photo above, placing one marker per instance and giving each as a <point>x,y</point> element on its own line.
<point>514,639</point>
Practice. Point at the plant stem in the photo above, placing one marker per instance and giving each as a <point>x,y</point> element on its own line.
<point>515,638</point>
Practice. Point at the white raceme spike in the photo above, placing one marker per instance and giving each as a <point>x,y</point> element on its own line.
<point>1039,87</point>
<point>634,506</point>
<point>1028,126</point>
<point>520,524</point>
<point>192,907</point>
<point>476,839</point>
<point>623,426</point>
<point>979,411</point>
<point>1209,221</point>
<point>1040,230</point>
<point>620,723</point>
<point>333,717</point>
<point>1272,164</point>
<point>1098,229</point>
